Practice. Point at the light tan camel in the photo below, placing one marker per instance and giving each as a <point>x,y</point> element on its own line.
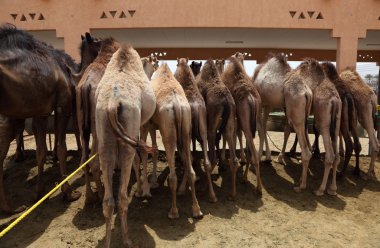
<point>269,79</point>
<point>125,101</point>
<point>86,103</point>
<point>173,118</point>
<point>365,103</point>
<point>185,77</point>
<point>327,113</point>
<point>248,99</point>
<point>221,112</point>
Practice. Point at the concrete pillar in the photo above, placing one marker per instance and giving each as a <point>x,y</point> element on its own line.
<point>347,52</point>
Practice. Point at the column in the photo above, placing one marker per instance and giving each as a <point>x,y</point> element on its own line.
<point>347,52</point>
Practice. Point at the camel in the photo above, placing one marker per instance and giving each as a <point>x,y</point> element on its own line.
<point>221,112</point>
<point>35,80</point>
<point>220,65</point>
<point>150,65</point>
<point>173,118</point>
<point>196,67</point>
<point>86,103</point>
<point>269,79</point>
<point>326,106</point>
<point>248,99</point>
<point>124,101</point>
<point>365,103</point>
<point>185,77</point>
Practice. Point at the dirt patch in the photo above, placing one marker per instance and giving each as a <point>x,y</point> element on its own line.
<point>280,218</point>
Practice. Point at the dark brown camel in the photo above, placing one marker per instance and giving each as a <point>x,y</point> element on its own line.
<point>248,99</point>
<point>196,67</point>
<point>185,77</point>
<point>86,103</point>
<point>35,80</point>
<point>365,103</point>
<point>221,112</point>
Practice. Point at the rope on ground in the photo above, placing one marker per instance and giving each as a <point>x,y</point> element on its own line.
<point>2,233</point>
<point>273,143</point>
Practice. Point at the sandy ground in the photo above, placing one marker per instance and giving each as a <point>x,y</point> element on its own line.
<point>280,218</point>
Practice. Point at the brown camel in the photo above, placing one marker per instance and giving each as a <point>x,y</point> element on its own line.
<point>186,78</point>
<point>220,65</point>
<point>124,101</point>
<point>327,113</point>
<point>269,79</point>
<point>248,99</point>
<point>86,103</point>
<point>150,65</point>
<point>196,67</point>
<point>365,103</point>
<point>173,118</point>
<point>221,112</point>
<point>35,80</point>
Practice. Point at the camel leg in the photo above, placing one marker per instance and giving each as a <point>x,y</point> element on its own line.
<point>263,135</point>
<point>305,155</point>
<point>244,116</point>
<point>206,161</point>
<point>280,158</point>
<point>233,162</point>
<point>315,148</point>
<point>107,155</point>
<point>126,155</point>
<point>144,159</point>
<point>19,156</point>
<point>369,127</point>
<point>39,130</point>
<point>341,148</point>
<point>7,134</point>
<point>293,149</point>
<point>95,166</point>
<point>153,181</point>
<point>345,133</point>
<point>62,116</point>
<point>333,187</point>
<point>243,158</point>
<point>357,148</point>
<point>222,155</point>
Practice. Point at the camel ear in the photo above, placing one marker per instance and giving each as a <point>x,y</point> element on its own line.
<point>82,37</point>
<point>150,59</point>
<point>88,37</point>
<point>192,63</point>
<point>177,61</point>
<point>187,59</point>
<point>200,64</point>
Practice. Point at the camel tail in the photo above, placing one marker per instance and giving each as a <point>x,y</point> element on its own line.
<point>178,120</point>
<point>196,123</point>
<point>348,108</point>
<point>113,109</point>
<point>254,114</point>
<point>309,101</point>
<point>86,105</point>
<point>225,116</point>
<point>334,114</point>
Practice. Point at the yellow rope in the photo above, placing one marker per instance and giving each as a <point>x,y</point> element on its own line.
<point>44,198</point>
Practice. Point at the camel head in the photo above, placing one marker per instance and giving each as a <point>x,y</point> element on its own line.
<point>240,56</point>
<point>196,67</point>
<point>89,49</point>
<point>182,61</point>
<point>150,65</point>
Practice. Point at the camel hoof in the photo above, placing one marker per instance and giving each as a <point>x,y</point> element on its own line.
<point>146,195</point>
<point>173,214</point>
<point>298,189</point>
<point>319,192</point>
<point>197,213</point>
<point>72,196</point>
<point>332,192</point>
<point>259,192</point>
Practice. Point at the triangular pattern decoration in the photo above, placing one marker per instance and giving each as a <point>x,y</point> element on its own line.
<point>32,15</point>
<point>302,16</point>
<point>14,16</point>
<point>103,16</point>
<point>311,13</point>
<point>292,13</point>
<point>320,16</point>
<point>23,18</point>
<point>113,13</point>
<point>122,15</point>
<point>132,12</point>
<point>41,17</point>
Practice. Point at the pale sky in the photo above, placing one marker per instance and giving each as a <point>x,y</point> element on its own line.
<point>362,68</point>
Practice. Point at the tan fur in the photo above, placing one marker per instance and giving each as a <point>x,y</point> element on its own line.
<point>124,102</point>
